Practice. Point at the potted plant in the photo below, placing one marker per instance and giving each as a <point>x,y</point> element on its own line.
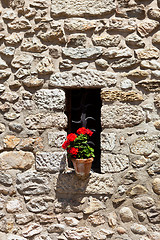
<point>79,151</point>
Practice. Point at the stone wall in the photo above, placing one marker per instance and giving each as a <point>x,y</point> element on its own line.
<point>46,47</point>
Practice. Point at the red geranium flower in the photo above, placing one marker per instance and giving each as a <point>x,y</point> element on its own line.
<point>71,137</point>
<point>89,132</point>
<point>65,144</point>
<point>81,130</point>
<point>73,151</point>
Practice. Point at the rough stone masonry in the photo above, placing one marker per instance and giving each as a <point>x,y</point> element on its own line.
<point>46,47</point>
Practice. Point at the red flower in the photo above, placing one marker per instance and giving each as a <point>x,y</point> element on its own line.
<point>89,132</point>
<point>65,144</point>
<point>73,151</point>
<point>81,130</point>
<point>71,137</point>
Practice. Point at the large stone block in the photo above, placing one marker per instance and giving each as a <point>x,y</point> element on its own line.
<point>56,138</point>
<point>121,116</point>
<point>79,24</point>
<point>108,141</point>
<point>50,100</point>
<point>50,161</point>
<point>142,146</point>
<point>82,78</point>
<point>113,163</point>
<point>150,85</point>
<point>44,121</point>
<point>106,40</point>
<point>78,8</point>
<point>68,183</point>
<point>32,183</point>
<point>110,96</point>
<point>16,160</point>
<point>82,53</point>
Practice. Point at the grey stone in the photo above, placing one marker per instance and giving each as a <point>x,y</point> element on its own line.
<point>95,184</point>
<point>130,116</point>
<point>122,25</point>
<point>117,52</point>
<point>56,228</point>
<point>113,163</point>
<point>56,138</point>
<point>20,24</point>
<point>5,179</point>
<point>124,63</point>
<point>50,100</point>
<point>82,53</point>
<point>134,40</point>
<point>42,121</point>
<point>37,205</point>
<point>16,127</point>
<point>14,206</point>
<point>126,214</point>
<point>23,218</point>
<point>83,78</point>
<point>106,40</point>
<point>79,24</point>
<point>33,183</point>
<point>143,202</point>
<point>50,162</point>
<point>78,9</point>
<point>108,141</point>
<point>142,146</point>
<point>8,51</point>
<point>153,215</point>
<point>138,229</point>
<point>126,84</point>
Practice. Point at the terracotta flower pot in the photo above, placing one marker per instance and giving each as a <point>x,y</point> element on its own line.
<point>82,166</point>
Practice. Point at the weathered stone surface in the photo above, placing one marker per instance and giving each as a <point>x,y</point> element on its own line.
<point>147,53</point>
<point>37,205</point>
<point>11,141</point>
<point>138,229</point>
<point>4,74</point>
<point>56,138</point>
<point>145,27</point>
<point>32,230</point>
<point>50,162</point>
<point>56,34</point>
<point>33,45</point>
<point>5,179</point>
<point>31,144</point>
<point>9,96</point>
<point>124,63</point>
<point>2,127</point>
<point>122,25</point>
<point>81,233</point>
<point>13,237</point>
<point>11,116</point>
<point>141,162</point>
<point>79,24</point>
<point>22,60</point>
<point>93,205</point>
<point>143,202</point>
<point>43,121</point>
<point>23,218</point>
<point>9,14</point>
<point>156,38</point>
<point>117,52</point>
<point>32,81</point>
<point>56,228</point>
<point>19,24</point>
<point>50,100</point>
<point>142,146</point>
<point>96,184</point>
<point>13,38</point>
<point>66,64</point>
<point>152,64</point>
<point>153,215</point>
<point>150,85</point>
<point>121,116</point>
<point>103,234</point>
<point>154,13</point>
<point>106,40</point>
<point>154,169</point>
<point>2,88</point>
<point>126,84</point>
<point>156,185</point>
<point>39,4</point>
<point>108,141</point>
<point>8,51</point>
<point>45,66</point>
<point>70,221</point>
<point>134,40</point>
<point>82,53</point>
<point>110,96</point>
<point>33,183</point>
<point>16,160</point>
<point>97,219</point>
<point>82,78</point>
<point>102,63</point>
<point>13,206</point>
<point>113,163</point>
<point>3,64</point>
<point>22,72</point>
<point>156,73</point>
<point>157,125</point>
<point>54,51</point>
<point>77,39</point>
<point>78,9</point>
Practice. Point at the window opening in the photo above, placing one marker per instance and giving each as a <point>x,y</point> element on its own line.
<point>83,108</point>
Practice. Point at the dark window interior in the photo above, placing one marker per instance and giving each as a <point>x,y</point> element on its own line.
<point>83,109</point>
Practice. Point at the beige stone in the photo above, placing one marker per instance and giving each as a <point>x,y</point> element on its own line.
<point>147,53</point>
<point>137,190</point>
<point>11,141</point>
<point>20,24</point>
<point>93,206</point>
<point>156,185</point>
<point>45,66</point>
<point>33,45</point>
<point>156,38</point>
<point>137,73</point>
<point>32,81</point>
<point>16,160</point>
<point>2,127</point>
<point>13,206</point>
<point>145,27</point>
<point>109,96</point>
<point>150,85</point>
